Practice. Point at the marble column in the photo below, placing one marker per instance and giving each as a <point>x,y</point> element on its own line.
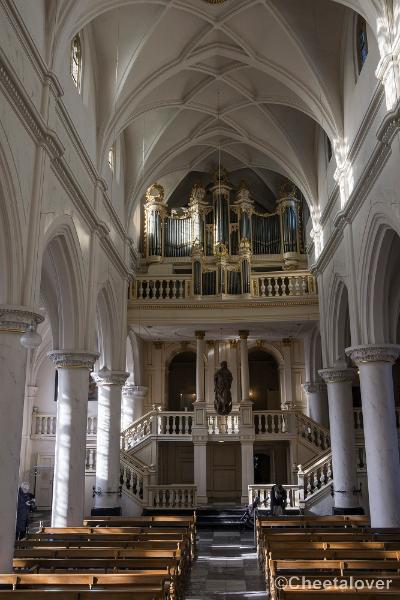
<point>133,397</point>
<point>14,321</point>
<point>375,365</point>
<point>110,385</point>
<point>200,371</point>
<point>317,402</point>
<point>70,450</point>
<point>244,365</point>
<point>341,419</point>
<point>31,393</point>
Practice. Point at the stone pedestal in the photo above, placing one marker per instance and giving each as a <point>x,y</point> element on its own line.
<point>14,321</point>
<point>108,437</point>
<point>244,366</point>
<point>247,469</point>
<point>344,459</point>
<point>381,438</point>
<point>317,402</point>
<point>133,397</point>
<point>199,437</point>
<point>70,450</point>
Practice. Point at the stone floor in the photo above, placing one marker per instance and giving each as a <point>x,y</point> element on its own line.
<point>226,568</point>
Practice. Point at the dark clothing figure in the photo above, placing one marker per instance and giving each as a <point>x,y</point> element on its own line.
<point>222,388</point>
<point>247,520</point>
<point>25,500</point>
<point>278,500</point>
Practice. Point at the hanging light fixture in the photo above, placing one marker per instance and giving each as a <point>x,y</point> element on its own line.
<point>31,339</point>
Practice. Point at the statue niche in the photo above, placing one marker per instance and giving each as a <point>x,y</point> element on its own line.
<point>222,388</point>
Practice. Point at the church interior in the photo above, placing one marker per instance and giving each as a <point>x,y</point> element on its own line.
<point>199,299</point>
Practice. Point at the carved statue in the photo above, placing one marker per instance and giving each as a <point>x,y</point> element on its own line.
<point>222,388</point>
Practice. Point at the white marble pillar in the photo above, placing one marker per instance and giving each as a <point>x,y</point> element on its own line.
<point>247,469</point>
<point>13,322</point>
<point>70,450</point>
<point>31,393</point>
<point>133,397</point>
<point>244,366</point>
<point>200,470</point>
<point>200,372</point>
<point>317,402</point>
<point>110,385</point>
<point>341,419</point>
<point>285,374</point>
<point>375,365</point>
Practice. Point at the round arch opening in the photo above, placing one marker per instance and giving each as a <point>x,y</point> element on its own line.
<point>182,381</point>
<point>264,380</point>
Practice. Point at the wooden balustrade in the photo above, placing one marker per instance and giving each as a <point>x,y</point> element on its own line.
<point>313,432</point>
<point>172,496</point>
<point>263,491</point>
<point>45,425</point>
<point>273,285</point>
<point>315,475</point>
<point>147,288</point>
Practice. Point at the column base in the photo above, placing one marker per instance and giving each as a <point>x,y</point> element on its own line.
<point>202,500</point>
<point>355,510</point>
<point>111,511</point>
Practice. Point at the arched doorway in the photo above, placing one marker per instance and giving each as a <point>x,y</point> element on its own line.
<point>264,380</point>
<point>182,381</point>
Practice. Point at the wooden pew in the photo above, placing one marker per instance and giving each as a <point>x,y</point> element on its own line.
<point>158,583</point>
<point>136,593</point>
<point>287,568</point>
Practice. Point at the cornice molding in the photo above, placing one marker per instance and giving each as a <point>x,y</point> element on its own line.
<point>133,304</point>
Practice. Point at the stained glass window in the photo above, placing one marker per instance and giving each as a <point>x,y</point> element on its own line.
<point>362,43</point>
<point>76,61</point>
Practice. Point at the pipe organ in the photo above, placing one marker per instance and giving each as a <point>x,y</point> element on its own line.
<point>223,235</point>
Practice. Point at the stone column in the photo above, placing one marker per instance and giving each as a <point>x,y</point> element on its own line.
<point>317,402</point>
<point>70,450</point>
<point>200,353</point>
<point>13,322</point>
<point>244,365</point>
<point>108,437</point>
<point>133,397</point>
<point>344,460</point>
<point>375,364</point>
<point>285,374</point>
<point>199,437</point>
<point>31,393</point>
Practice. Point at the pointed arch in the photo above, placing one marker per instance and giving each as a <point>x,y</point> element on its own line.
<point>62,284</point>
<point>339,322</point>
<point>107,326</point>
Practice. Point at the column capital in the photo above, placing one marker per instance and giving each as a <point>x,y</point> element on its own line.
<point>243,334</point>
<point>106,378</point>
<point>65,359</point>
<point>387,353</point>
<point>313,388</point>
<point>138,391</point>
<point>337,375</point>
<point>18,319</point>
<point>200,335</point>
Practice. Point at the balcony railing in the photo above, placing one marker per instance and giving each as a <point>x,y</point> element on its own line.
<point>172,496</point>
<point>263,491</point>
<point>264,286</point>
<point>45,425</point>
